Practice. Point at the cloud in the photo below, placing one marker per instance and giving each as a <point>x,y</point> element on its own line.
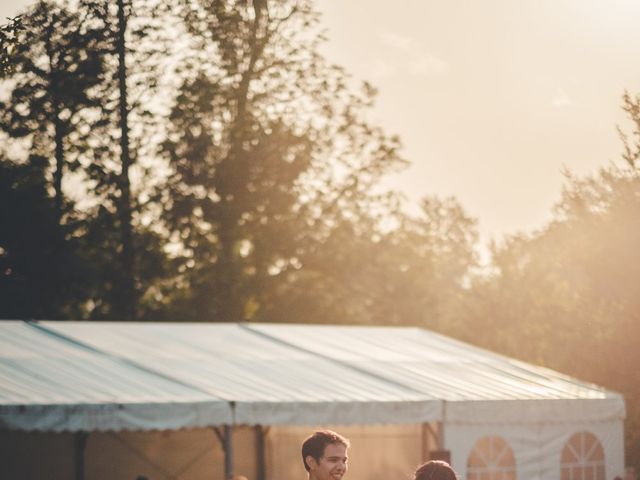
<point>400,42</point>
<point>413,58</point>
<point>426,65</point>
<point>381,69</point>
<point>561,99</point>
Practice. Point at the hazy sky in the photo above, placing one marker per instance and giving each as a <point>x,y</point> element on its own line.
<point>491,98</point>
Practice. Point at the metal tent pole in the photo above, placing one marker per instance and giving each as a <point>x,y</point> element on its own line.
<point>80,443</point>
<point>261,467</point>
<point>228,452</point>
<point>226,441</point>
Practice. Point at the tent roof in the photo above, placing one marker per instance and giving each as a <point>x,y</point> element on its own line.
<point>477,385</point>
<point>269,382</point>
<point>116,375</point>
<point>51,384</point>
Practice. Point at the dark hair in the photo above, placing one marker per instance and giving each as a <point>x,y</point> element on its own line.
<point>315,444</point>
<point>435,470</point>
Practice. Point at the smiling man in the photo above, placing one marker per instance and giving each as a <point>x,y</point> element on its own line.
<point>324,455</point>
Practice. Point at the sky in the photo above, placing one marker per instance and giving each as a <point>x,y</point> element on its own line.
<point>493,100</point>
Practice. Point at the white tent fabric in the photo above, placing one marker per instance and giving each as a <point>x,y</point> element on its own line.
<point>476,386</point>
<point>48,384</point>
<point>537,448</point>
<point>268,382</point>
<point>117,375</point>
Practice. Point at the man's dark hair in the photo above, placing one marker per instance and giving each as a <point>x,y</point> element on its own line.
<point>435,470</point>
<point>315,444</point>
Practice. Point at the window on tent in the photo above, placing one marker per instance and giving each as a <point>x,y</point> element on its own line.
<point>582,458</point>
<point>491,459</point>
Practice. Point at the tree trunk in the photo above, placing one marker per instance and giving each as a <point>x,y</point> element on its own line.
<point>127,301</point>
<point>59,171</point>
<point>232,309</point>
<point>54,87</point>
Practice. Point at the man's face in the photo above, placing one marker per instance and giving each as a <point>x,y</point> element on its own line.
<point>332,465</point>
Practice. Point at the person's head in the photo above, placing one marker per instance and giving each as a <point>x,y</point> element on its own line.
<point>434,470</point>
<point>324,455</point>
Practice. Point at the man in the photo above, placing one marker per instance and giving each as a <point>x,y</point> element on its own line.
<point>324,455</point>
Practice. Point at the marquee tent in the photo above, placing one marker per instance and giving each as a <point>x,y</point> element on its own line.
<point>492,413</point>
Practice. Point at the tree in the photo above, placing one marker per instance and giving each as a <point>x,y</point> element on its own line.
<point>140,32</point>
<point>8,34</point>
<point>400,269</point>
<point>55,62</point>
<point>272,205</point>
<point>266,138</point>
<point>41,271</point>
<point>572,288</point>
<point>67,103</point>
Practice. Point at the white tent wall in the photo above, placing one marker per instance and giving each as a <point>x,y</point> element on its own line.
<point>538,447</point>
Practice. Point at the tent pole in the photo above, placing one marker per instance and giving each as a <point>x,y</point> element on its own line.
<point>441,425</point>
<point>228,452</point>
<point>440,436</point>
<point>227,447</point>
<point>261,470</point>
<point>226,440</point>
<point>80,441</point>
<point>427,435</point>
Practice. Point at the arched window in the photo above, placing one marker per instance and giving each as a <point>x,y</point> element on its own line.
<point>491,459</point>
<point>582,458</point>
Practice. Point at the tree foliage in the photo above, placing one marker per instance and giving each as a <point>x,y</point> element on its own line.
<point>568,296</point>
<point>267,139</point>
<point>269,204</point>
<point>8,39</point>
<point>62,113</point>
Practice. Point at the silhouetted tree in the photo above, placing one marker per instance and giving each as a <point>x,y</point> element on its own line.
<point>8,34</point>
<point>66,104</point>
<point>42,274</point>
<point>55,62</point>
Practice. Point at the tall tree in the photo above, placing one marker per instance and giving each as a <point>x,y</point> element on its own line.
<point>265,135</point>
<point>41,271</point>
<point>55,62</point>
<point>126,304</point>
<point>68,102</point>
<point>142,32</point>
<point>54,65</point>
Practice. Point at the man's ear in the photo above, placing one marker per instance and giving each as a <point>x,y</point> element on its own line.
<point>311,462</point>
